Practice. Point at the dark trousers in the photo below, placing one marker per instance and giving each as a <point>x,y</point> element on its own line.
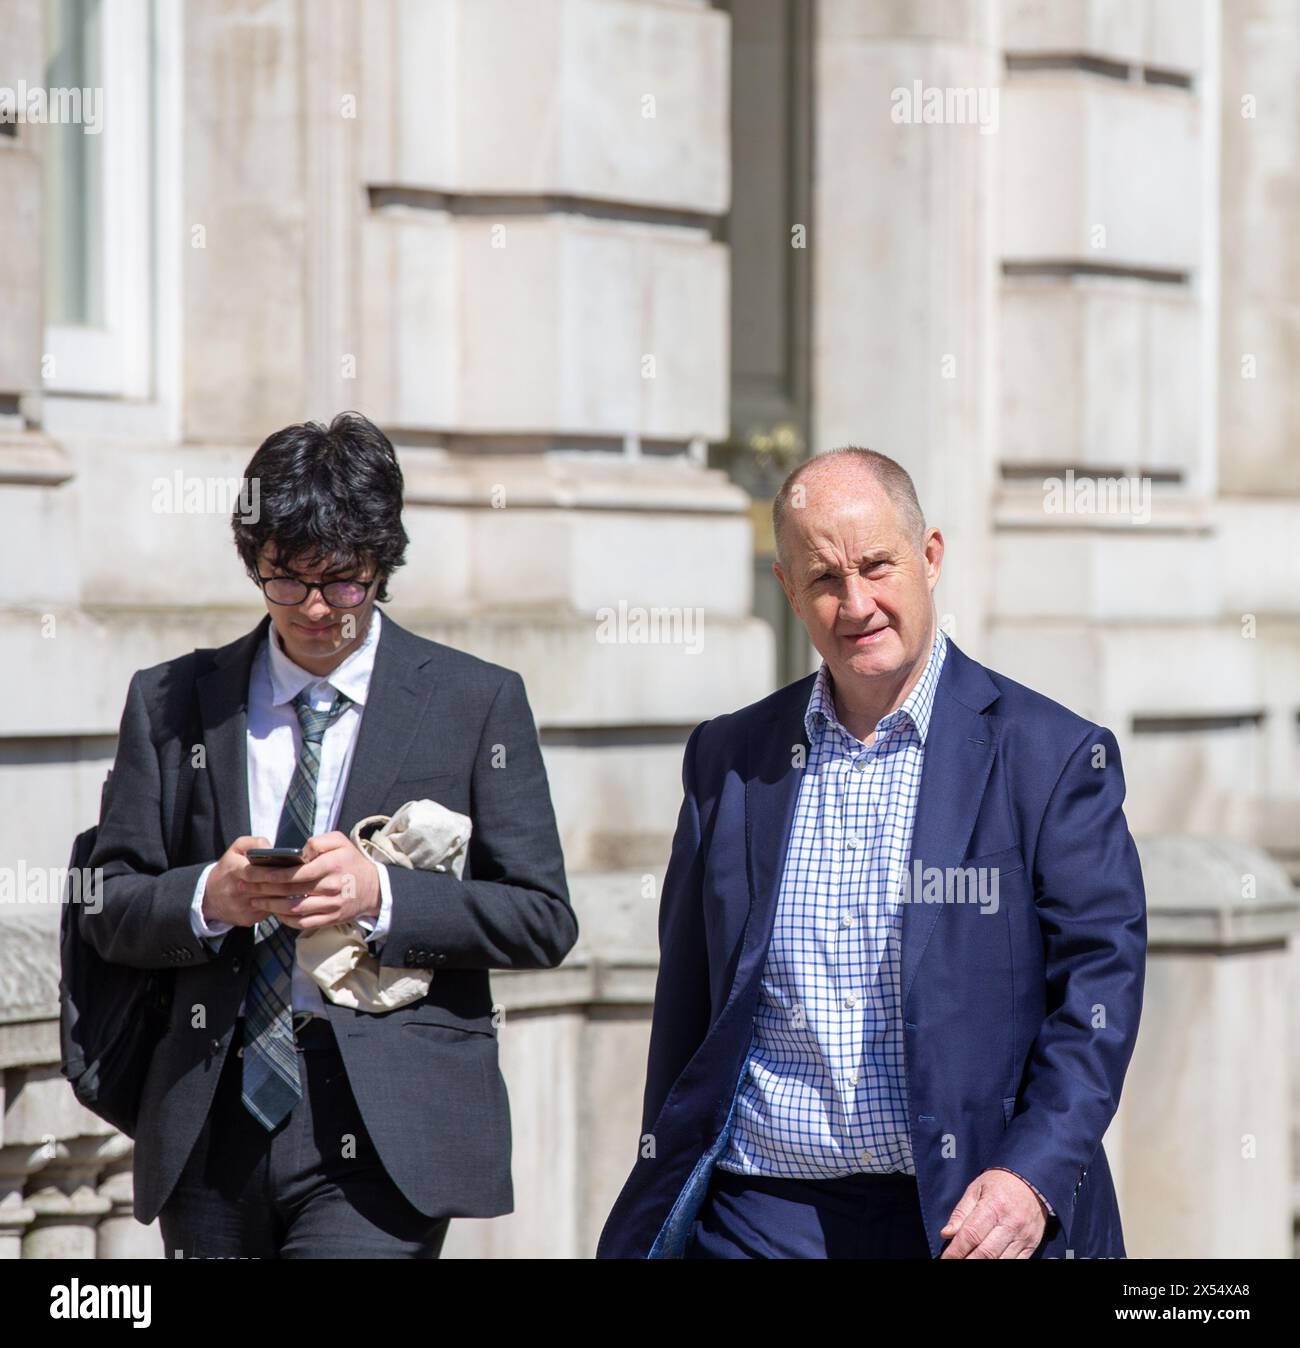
<point>857,1217</point>
<point>312,1188</point>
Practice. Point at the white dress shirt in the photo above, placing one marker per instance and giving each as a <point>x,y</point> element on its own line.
<point>274,741</point>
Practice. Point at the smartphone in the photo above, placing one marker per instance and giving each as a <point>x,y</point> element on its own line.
<point>275,856</point>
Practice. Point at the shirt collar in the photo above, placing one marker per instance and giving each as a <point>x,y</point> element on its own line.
<point>916,707</point>
<point>351,678</point>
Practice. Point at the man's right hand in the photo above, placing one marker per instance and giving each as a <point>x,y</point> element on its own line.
<point>228,894</point>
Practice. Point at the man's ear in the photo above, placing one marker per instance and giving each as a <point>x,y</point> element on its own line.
<point>932,551</point>
<point>785,585</point>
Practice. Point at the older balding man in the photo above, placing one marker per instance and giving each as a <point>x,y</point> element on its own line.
<point>902,937</point>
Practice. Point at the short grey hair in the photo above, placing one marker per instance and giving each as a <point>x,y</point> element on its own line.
<point>890,474</point>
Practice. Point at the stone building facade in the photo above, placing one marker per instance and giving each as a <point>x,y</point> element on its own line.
<point>588,262</point>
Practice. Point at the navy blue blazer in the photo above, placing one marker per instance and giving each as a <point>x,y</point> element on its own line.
<point>1018,1023</point>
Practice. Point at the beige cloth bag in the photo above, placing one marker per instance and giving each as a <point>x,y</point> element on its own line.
<point>422,835</point>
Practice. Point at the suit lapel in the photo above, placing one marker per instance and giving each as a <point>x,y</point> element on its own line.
<point>778,752</point>
<point>223,712</point>
<point>394,704</point>
<point>959,751</point>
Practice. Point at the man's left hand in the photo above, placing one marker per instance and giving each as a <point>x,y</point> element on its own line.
<point>998,1217</point>
<point>336,884</point>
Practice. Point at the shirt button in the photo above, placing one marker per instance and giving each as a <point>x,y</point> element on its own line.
<point>850,1000</point>
<point>866,1158</point>
<point>847,920</point>
<point>861,765</point>
<point>854,1078</point>
<point>853,840</point>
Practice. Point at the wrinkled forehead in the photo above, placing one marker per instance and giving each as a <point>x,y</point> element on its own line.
<point>849,518</point>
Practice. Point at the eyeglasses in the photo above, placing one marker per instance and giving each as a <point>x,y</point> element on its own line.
<point>289,590</point>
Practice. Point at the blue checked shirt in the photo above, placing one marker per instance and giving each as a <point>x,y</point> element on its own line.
<point>824,1090</point>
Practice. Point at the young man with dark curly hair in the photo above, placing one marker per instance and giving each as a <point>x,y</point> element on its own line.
<point>275,1123</point>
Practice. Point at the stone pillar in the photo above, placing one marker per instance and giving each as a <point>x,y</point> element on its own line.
<point>67,1208</point>
<point>904,269</point>
<point>1259,411</point>
<point>29,460</point>
<point>1206,1126</point>
<point>63,1141</point>
<point>243,274</point>
<point>16,1214</point>
<point>22,65</point>
<point>1259,407</point>
<point>1108,163</point>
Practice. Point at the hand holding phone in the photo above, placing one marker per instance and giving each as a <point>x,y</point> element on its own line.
<point>275,856</point>
<point>227,896</point>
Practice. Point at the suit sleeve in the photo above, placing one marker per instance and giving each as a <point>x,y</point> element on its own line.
<point>144,919</point>
<point>1092,913</point>
<point>681,1006</point>
<point>514,913</point>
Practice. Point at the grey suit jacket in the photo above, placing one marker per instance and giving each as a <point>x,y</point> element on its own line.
<point>438,723</point>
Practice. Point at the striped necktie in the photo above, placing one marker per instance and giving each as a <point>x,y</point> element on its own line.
<point>271,1086</point>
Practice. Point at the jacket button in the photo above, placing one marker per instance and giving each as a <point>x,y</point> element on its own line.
<point>236,966</point>
<point>440,959</point>
<point>214,1045</point>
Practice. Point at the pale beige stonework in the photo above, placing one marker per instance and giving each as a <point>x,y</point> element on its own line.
<point>501,230</point>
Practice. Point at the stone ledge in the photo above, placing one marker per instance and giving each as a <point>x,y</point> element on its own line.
<point>578,984</point>
<point>29,967</point>
<point>30,459</point>
<point>574,481</point>
<point>28,1043</point>
<point>1194,895</point>
<point>573,678</point>
<point>614,963</point>
<point>574,985</point>
<point>1019,505</point>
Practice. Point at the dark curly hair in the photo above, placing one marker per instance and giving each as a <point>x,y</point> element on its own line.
<point>331,497</point>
